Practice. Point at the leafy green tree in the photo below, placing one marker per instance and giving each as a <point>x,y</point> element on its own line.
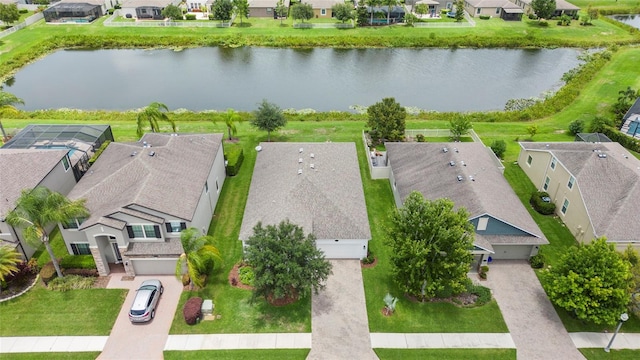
<point>302,12</point>
<point>543,8</point>
<point>422,9</point>
<point>152,114</point>
<point>9,13</point>
<point>198,258</point>
<point>38,210</point>
<point>372,4</point>
<point>9,260</point>
<point>8,104</point>
<point>281,10</point>
<point>576,127</point>
<point>591,281</point>
<point>362,16</point>
<point>230,118</point>
<point>532,130</point>
<point>459,10</point>
<point>386,119</point>
<point>626,98</point>
<point>390,5</point>
<point>343,12</point>
<point>241,8</point>
<point>459,126</point>
<point>222,10</point>
<point>269,117</point>
<point>599,123</point>
<point>172,12</point>
<point>499,147</point>
<point>430,245</point>
<point>632,256</point>
<point>286,263</point>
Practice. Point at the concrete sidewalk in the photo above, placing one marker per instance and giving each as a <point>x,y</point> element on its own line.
<point>45,344</point>
<point>239,341</point>
<point>600,340</point>
<point>442,341</point>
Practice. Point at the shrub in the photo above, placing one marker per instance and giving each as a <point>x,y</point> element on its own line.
<point>48,272</point>
<point>483,293</point>
<point>186,280</point>
<point>190,17</point>
<point>485,17</point>
<point>499,147</point>
<point>543,23</point>
<point>576,127</point>
<point>420,138</point>
<point>23,11</point>
<point>24,270</point>
<point>246,275</point>
<point>192,310</point>
<point>484,269</point>
<point>532,16</point>
<point>98,152</point>
<point>537,261</point>
<point>78,262</point>
<point>81,272</point>
<point>71,282</point>
<point>212,17</point>
<point>545,208</point>
<point>369,259</point>
<point>234,155</point>
<point>117,6</point>
<point>565,20</point>
<point>390,302</point>
<point>110,11</point>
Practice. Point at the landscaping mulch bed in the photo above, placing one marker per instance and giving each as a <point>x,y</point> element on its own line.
<point>368,266</point>
<point>101,282</point>
<point>462,300</point>
<point>233,274</point>
<point>16,287</point>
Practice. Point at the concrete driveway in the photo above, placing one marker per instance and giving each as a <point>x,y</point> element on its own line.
<point>339,323</point>
<point>533,323</point>
<point>146,340</point>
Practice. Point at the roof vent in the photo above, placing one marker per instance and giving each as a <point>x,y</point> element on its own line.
<point>134,153</point>
<point>299,171</point>
<point>460,178</point>
<point>455,149</point>
<point>472,178</point>
<point>602,155</point>
<point>301,150</point>
<point>452,163</point>
<point>312,166</point>
<point>144,144</point>
<point>299,160</point>
<point>463,164</point>
<point>312,155</point>
<point>152,153</point>
<point>444,150</point>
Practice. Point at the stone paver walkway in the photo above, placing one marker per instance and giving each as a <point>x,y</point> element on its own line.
<point>339,323</point>
<point>532,321</point>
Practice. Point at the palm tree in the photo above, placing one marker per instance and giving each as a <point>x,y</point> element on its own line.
<point>7,106</point>
<point>199,254</point>
<point>390,5</point>
<point>38,209</point>
<point>151,114</point>
<point>372,4</point>
<point>9,259</point>
<point>231,117</point>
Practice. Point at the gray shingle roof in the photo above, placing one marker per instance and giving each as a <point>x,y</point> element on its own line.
<point>424,167</point>
<point>171,181</point>
<point>172,246</point>
<point>327,201</point>
<point>147,3</point>
<point>610,187</point>
<point>23,169</point>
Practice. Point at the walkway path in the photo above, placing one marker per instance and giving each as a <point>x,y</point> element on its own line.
<point>532,321</point>
<point>442,341</point>
<point>339,323</point>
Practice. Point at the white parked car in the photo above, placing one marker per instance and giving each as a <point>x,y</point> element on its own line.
<point>144,304</point>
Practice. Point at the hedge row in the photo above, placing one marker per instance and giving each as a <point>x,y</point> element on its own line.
<point>78,262</point>
<point>545,208</point>
<point>98,152</point>
<point>626,141</point>
<point>234,155</point>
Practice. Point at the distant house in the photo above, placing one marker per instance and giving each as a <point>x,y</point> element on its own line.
<point>503,9</point>
<point>322,8</point>
<point>595,186</point>
<point>24,169</point>
<point>265,8</point>
<point>468,175</point>
<point>380,14</point>
<point>141,195</point>
<point>145,9</point>
<point>76,11</point>
<point>316,186</point>
<point>631,120</point>
<point>562,7</point>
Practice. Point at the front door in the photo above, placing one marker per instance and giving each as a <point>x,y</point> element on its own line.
<point>116,252</point>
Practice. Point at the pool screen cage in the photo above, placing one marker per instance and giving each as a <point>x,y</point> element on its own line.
<point>72,12</point>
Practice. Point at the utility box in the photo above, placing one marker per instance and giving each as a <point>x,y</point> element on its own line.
<point>207,307</point>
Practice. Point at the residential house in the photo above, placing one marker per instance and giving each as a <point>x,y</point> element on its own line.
<point>265,8</point>
<point>77,11</point>
<point>469,175</point>
<point>562,7</point>
<point>322,8</point>
<point>141,195</point>
<point>145,9</point>
<point>433,7</point>
<point>503,9</point>
<point>316,186</point>
<point>631,120</point>
<point>24,169</point>
<point>595,186</point>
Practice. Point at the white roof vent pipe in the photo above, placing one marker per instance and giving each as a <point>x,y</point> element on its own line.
<point>312,166</point>
<point>444,150</point>
<point>299,160</point>
<point>312,155</point>
<point>299,171</point>
<point>301,150</point>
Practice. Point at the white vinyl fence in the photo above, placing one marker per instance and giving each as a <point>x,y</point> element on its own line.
<point>28,21</point>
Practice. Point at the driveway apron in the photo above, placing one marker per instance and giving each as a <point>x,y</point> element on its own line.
<point>339,323</point>
<point>145,340</point>
<point>533,323</point>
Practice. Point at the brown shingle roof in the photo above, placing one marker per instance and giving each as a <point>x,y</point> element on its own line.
<point>424,167</point>
<point>610,187</point>
<point>327,201</point>
<point>170,182</point>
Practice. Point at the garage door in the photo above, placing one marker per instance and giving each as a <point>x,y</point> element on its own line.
<point>154,266</point>
<point>511,251</point>
<point>341,249</point>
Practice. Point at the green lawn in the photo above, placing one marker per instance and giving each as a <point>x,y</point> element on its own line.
<point>51,356</point>
<point>42,312</point>
<point>287,354</point>
<point>445,354</point>
<point>600,354</point>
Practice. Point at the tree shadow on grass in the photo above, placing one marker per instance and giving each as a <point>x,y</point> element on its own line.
<point>296,317</point>
<point>244,25</point>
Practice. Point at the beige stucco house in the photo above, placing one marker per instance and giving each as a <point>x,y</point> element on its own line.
<point>141,195</point>
<point>595,186</point>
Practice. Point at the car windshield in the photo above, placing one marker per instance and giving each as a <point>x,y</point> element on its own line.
<point>147,287</point>
<point>137,312</point>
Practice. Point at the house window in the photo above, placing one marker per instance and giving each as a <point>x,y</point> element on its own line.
<point>144,231</point>
<point>73,224</point>
<point>546,183</point>
<point>482,223</point>
<point>65,163</point>
<point>478,10</point>
<point>269,9</point>
<point>217,187</point>
<point>553,163</point>
<point>570,183</point>
<point>323,12</point>
<point>529,160</point>
<point>497,10</point>
<point>143,11</point>
<point>206,186</point>
<point>80,249</point>
<point>565,206</point>
<point>175,226</point>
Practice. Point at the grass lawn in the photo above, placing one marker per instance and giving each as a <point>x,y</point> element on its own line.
<point>600,354</point>
<point>285,354</point>
<point>42,312</point>
<point>51,356</point>
<point>446,354</point>
<point>57,244</point>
